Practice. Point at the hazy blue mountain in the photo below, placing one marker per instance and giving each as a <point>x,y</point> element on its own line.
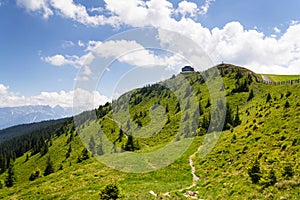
<point>10,116</point>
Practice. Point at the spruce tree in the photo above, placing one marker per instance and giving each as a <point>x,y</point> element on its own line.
<point>251,95</point>
<point>254,171</point>
<point>10,179</point>
<point>268,98</point>
<point>92,145</point>
<point>84,155</point>
<point>69,152</point>
<point>237,121</point>
<point>49,167</point>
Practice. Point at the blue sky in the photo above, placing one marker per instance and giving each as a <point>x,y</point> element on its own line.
<point>45,44</point>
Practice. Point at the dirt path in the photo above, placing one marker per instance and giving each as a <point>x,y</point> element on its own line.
<point>265,78</point>
<point>190,194</point>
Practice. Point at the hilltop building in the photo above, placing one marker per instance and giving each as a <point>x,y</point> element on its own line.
<point>186,69</point>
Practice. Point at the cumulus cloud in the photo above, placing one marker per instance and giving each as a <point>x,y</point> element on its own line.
<point>60,60</point>
<point>277,30</point>
<point>80,43</point>
<point>185,8</point>
<point>205,7</point>
<point>66,8</point>
<point>41,6</point>
<point>231,43</point>
<point>3,89</point>
<point>83,98</point>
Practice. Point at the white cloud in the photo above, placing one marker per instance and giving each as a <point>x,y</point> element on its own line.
<point>60,60</point>
<point>277,30</point>
<point>132,53</point>
<point>205,7</point>
<point>187,8</point>
<point>41,6</point>
<point>231,44</point>
<point>80,43</point>
<point>66,44</point>
<point>67,9</point>
<point>3,89</point>
<point>90,99</point>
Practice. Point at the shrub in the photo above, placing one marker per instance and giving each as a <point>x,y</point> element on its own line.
<point>110,191</point>
<point>268,98</point>
<point>35,174</point>
<point>254,171</point>
<point>287,104</point>
<point>288,171</point>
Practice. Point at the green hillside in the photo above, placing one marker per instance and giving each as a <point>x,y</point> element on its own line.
<point>279,78</point>
<point>256,155</point>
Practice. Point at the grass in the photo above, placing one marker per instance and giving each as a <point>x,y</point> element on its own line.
<point>279,78</point>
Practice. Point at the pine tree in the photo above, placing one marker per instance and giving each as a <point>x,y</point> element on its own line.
<point>84,155</point>
<point>251,95</point>
<point>237,121</point>
<point>45,148</point>
<point>69,152</point>
<point>129,145</point>
<point>228,117</point>
<point>268,98</point>
<point>92,145</point>
<point>208,103</point>
<point>100,149</point>
<point>49,167</point>
<point>254,171</point>
<point>10,179</point>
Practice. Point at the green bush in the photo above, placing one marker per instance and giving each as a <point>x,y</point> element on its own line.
<point>35,174</point>
<point>288,171</point>
<point>110,191</point>
<point>254,171</point>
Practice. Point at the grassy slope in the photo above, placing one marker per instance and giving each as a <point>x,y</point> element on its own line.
<point>278,78</point>
<point>223,172</point>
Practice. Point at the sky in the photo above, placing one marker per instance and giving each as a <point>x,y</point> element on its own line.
<point>53,52</point>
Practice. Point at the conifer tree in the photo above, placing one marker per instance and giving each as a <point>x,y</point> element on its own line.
<point>237,120</point>
<point>49,167</point>
<point>92,145</point>
<point>69,152</point>
<point>251,95</point>
<point>10,179</point>
<point>268,98</point>
<point>254,171</point>
<point>84,155</point>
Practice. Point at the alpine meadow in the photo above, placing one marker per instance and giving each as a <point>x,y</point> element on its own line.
<point>256,155</point>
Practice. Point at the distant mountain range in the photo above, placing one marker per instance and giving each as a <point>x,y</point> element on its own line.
<point>10,116</point>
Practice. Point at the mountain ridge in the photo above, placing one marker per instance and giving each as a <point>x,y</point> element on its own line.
<point>10,116</point>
